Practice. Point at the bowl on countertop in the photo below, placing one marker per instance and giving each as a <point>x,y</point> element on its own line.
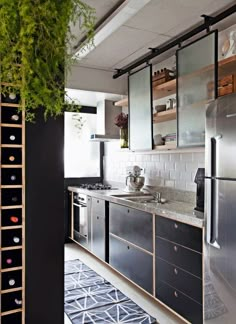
<point>160,108</point>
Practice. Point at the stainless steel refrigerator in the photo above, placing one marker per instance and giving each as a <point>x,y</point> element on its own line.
<point>220,210</point>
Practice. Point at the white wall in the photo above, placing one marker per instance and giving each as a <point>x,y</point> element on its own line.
<point>89,79</point>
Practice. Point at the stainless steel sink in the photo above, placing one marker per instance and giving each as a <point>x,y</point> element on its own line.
<point>133,195</point>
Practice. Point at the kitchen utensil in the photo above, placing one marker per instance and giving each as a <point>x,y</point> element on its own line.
<point>158,139</point>
<point>171,103</point>
<point>160,108</point>
<point>134,181</point>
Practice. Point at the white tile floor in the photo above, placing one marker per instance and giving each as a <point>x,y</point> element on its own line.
<point>163,316</point>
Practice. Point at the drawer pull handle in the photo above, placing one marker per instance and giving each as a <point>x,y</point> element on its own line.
<point>98,201</point>
<point>128,247</point>
<point>176,294</point>
<point>175,248</point>
<point>176,271</point>
<point>97,217</point>
<point>176,226</point>
<point>128,210</point>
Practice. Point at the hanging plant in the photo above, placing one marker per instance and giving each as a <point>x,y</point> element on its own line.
<point>35,37</point>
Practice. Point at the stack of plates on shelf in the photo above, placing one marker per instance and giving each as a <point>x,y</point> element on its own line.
<point>170,139</point>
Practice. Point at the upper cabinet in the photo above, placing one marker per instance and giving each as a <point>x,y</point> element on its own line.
<point>196,70</point>
<point>140,109</point>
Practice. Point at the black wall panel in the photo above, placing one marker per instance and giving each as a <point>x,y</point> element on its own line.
<point>45,221</point>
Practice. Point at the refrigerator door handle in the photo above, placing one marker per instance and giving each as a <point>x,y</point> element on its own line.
<point>212,213</point>
<point>214,152</point>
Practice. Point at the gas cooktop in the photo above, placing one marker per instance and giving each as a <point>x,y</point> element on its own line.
<point>95,186</point>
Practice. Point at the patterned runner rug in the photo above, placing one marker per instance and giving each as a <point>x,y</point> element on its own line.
<point>89,298</point>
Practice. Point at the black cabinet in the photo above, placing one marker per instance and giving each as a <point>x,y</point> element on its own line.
<point>180,233</point>
<point>179,302</point>
<point>180,279</point>
<point>131,244</point>
<point>98,231</point>
<point>132,262</point>
<point>179,268</point>
<point>182,257</point>
<point>132,225</point>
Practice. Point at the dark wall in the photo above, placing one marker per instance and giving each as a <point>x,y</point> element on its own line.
<point>44,221</point>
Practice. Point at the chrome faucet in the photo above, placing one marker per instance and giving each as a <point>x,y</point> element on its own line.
<point>156,195</point>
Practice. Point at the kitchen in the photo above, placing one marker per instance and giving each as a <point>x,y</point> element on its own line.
<point>146,220</point>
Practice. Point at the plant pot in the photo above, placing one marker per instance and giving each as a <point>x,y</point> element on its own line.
<point>124,138</point>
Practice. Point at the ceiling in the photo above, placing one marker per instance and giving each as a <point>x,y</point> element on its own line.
<point>157,22</point>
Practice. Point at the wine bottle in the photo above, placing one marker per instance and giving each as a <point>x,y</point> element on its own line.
<point>15,117</point>
<point>12,137</point>
<point>9,261</point>
<point>14,219</point>
<point>11,282</point>
<point>11,158</point>
<point>16,239</point>
<point>13,177</point>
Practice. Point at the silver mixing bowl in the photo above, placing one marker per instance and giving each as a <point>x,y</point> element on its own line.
<point>136,183</point>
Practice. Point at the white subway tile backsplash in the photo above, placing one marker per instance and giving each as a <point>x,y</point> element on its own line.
<point>170,183</point>
<point>155,158</point>
<point>169,166</point>
<point>161,169</point>
<point>165,157</point>
<point>186,157</point>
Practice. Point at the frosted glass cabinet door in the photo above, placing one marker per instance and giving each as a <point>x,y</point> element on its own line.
<point>140,109</point>
<point>197,69</point>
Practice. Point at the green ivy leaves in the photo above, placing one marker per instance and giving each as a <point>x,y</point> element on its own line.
<point>34,40</point>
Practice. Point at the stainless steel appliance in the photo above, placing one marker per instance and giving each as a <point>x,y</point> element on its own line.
<point>134,181</point>
<point>220,210</point>
<point>81,220</point>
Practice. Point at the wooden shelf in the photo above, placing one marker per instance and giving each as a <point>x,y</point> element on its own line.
<point>165,89</point>
<point>11,125</point>
<point>11,269</point>
<point>6,291</point>
<point>10,166</point>
<point>11,207</point>
<point>18,310</point>
<point>7,104</point>
<point>122,103</point>
<point>12,145</point>
<point>9,248</point>
<point>11,186</point>
<point>166,147</point>
<point>164,116</point>
<point>4,228</point>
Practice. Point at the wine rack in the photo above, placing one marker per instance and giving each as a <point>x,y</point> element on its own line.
<point>12,208</point>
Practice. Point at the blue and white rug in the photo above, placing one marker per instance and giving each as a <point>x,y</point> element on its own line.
<point>89,298</point>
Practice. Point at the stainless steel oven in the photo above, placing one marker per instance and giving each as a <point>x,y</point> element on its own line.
<point>81,219</point>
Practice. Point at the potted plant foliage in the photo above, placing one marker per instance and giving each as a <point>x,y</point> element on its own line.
<point>34,49</point>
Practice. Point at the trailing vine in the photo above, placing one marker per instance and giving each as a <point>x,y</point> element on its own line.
<point>35,36</point>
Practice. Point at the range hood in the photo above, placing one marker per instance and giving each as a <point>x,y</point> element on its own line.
<point>106,129</point>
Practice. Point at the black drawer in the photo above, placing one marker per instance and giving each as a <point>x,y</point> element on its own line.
<point>11,217</point>
<point>11,301</point>
<point>98,206</point>
<point>11,259</point>
<point>12,318</point>
<point>179,302</point>
<point>11,176</point>
<point>180,256</point>
<point>179,279</point>
<point>180,233</point>
<point>11,197</point>
<point>11,279</point>
<point>11,156</point>
<point>12,237</point>
<point>132,225</point>
<point>11,135</point>
<point>11,115</point>
<point>132,262</point>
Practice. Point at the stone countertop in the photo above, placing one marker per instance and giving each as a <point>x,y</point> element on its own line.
<point>176,210</point>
